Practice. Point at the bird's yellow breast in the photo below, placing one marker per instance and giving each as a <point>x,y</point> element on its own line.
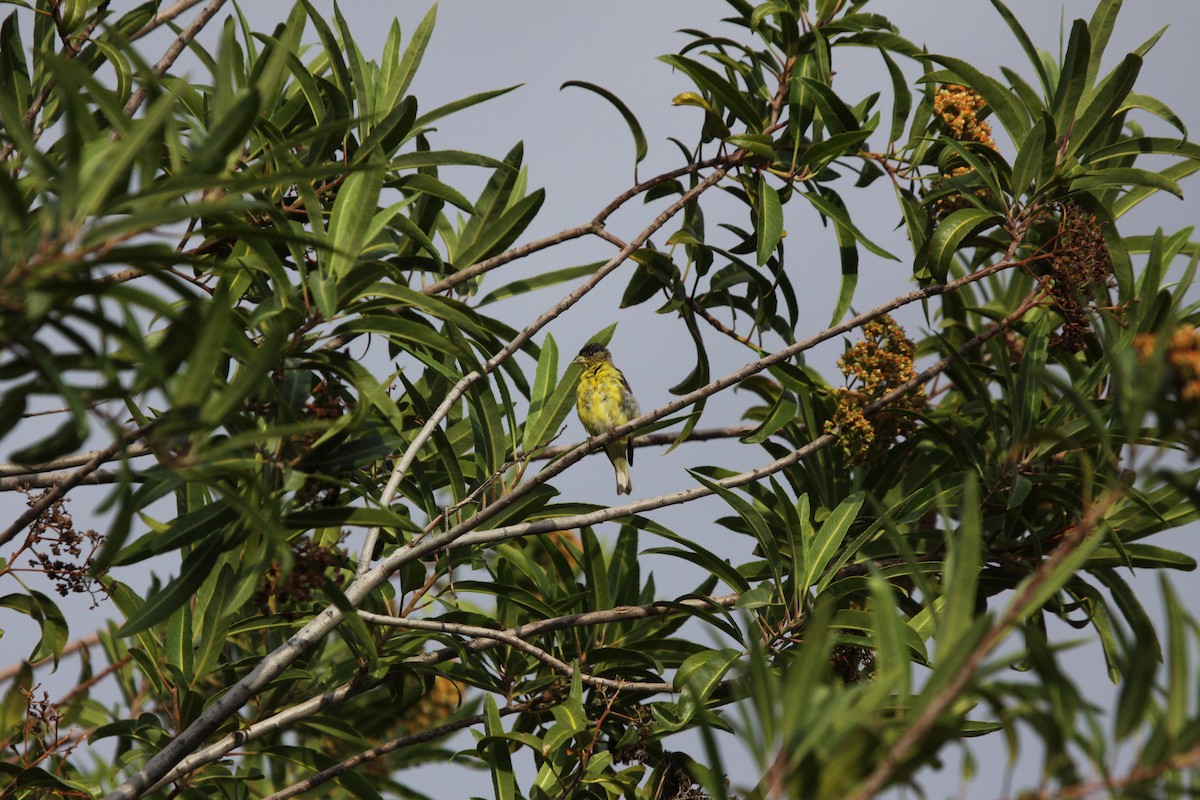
<point>600,399</point>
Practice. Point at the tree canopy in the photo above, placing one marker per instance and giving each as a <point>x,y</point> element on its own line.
<point>354,558</point>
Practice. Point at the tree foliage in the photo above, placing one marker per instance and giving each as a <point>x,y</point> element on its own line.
<point>360,562</point>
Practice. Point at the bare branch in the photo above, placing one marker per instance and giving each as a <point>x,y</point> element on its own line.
<point>596,226</point>
<point>60,489</point>
<point>75,460</point>
<point>656,439</point>
<point>48,480</point>
<point>163,64</point>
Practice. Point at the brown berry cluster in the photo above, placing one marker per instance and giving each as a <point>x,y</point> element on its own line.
<point>326,405</point>
<point>959,108</point>
<point>879,363</point>
<point>62,553</point>
<point>852,664</point>
<point>442,700</point>
<point>310,563</point>
<point>1080,266</point>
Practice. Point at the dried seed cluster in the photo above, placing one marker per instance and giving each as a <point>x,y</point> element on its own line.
<point>879,363</point>
<point>1080,267</point>
<point>310,564</point>
<point>62,553</point>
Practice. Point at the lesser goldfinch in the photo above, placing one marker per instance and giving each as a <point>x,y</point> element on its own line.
<point>604,400</point>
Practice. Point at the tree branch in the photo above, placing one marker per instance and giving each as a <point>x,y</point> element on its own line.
<point>596,226</point>
<point>348,764</point>
<point>279,721</point>
<point>185,37</point>
<point>69,483</point>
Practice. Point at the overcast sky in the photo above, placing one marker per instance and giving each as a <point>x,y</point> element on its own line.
<point>580,151</point>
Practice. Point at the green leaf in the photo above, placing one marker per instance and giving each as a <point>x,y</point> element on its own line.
<point>426,119</point>
<point>769,220</point>
<point>832,207</point>
<point>196,566</point>
<point>353,208</point>
<point>413,54</point>
<point>1073,78</point>
<point>698,676</point>
<point>543,387</point>
<point>1103,104</point>
<point>965,546</point>
<point>1156,107</point>
<point>731,97</point>
<point>783,412</point>
<point>67,438</point>
<point>1031,52</point>
<point>1035,158</point>
<point>820,549</point>
<point>1124,177</point>
<point>498,755</point>
<point>951,232</point>
<point>635,128</point>
<point>541,280</point>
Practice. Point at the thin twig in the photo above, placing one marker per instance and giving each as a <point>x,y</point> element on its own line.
<point>1140,774</point>
<point>75,460</point>
<point>656,439</point>
<point>596,226</point>
<point>82,643</point>
<point>60,489</point>
<point>517,643</point>
<point>48,480</point>
<point>163,17</point>
<point>172,52</point>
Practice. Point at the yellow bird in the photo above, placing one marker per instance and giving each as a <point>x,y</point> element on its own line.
<point>604,400</point>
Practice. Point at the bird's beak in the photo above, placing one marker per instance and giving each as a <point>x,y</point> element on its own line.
<point>577,360</point>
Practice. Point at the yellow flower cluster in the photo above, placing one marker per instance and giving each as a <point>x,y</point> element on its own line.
<point>1183,359</point>
<point>881,362</point>
<point>959,108</point>
<point>442,700</point>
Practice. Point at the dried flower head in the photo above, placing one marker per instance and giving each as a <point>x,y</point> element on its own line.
<point>1079,268</point>
<point>61,552</point>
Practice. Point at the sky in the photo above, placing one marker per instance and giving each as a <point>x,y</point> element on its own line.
<point>579,149</point>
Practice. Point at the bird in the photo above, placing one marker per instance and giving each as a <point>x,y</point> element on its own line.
<point>604,401</point>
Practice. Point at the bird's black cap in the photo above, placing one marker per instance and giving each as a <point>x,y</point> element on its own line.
<point>592,350</point>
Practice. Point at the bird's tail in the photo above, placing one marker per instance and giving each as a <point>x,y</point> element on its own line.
<point>624,483</point>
